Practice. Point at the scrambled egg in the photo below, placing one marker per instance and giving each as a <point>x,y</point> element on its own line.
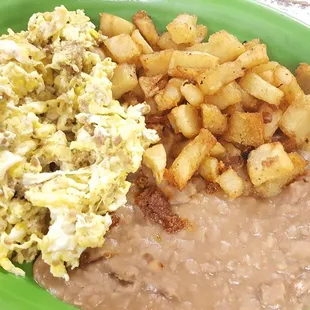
<point>66,147</point>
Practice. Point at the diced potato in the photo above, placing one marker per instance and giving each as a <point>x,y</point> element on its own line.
<point>201,33</point>
<point>268,76</point>
<point>213,80</point>
<point>246,129</point>
<point>253,57</point>
<point>227,96</point>
<point>271,119</point>
<point>260,89</point>
<point>287,83</point>
<point>271,65</point>
<point>145,48</point>
<point>147,27</point>
<point>124,80</point>
<point>170,96</point>
<point>213,119</point>
<point>221,44</point>
<point>274,187</point>
<point>186,119</point>
<point>231,150</point>
<point>155,158</point>
<point>230,110</point>
<point>209,169</point>
<point>268,162</point>
<point>296,119</point>
<point>183,29</point>
<point>165,42</point>
<point>250,44</point>
<point>187,59</point>
<point>187,163</point>
<point>156,63</point>
<point>150,85</point>
<point>248,102</point>
<point>192,94</point>
<point>112,25</point>
<point>188,72</point>
<point>231,183</point>
<point>303,77</point>
<point>218,150</point>
<point>122,48</point>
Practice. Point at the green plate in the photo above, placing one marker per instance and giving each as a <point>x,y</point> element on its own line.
<point>288,42</point>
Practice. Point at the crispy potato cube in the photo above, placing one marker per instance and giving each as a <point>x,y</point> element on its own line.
<point>156,63</point>
<point>165,42</point>
<point>227,96</point>
<point>155,158</point>
<point>150,85</point>
<point>250,44</point>
<point>188,72</point>
<point>230,110</point>
<point>214,79</point>
<point>231,150</point>
<point>218,150</point>
<point>221,44</point>
<point>253,57</point>
<point>296,119</point>
<point>147,27</point>
<point>112,25</point>
<point>170,96</point>
<point>122,48</point>
<point>271,119</point>
<point>260,89</point>
<point>209,169</point>
<point>192,94</point>
<point>145,48</point>
<point>186,119</point>
<point>183,29</point>
<point>124,80</point>
<point>271,65</point>
<point>248,102</point>
<point>274,187</point>
<point>287,82</point>
<point>201,33</point>
<point>213,119</point>
<point>268,162</point>
<point>268,76</point>
<point>192,60</point>
<point>303,77</point>
<point>231,183</point>
<point>246,129</point>
<point>187,163</point>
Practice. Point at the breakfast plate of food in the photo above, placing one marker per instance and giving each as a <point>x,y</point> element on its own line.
<point>153,155</point>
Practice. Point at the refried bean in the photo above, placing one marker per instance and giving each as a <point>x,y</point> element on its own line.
<point>242,254</point>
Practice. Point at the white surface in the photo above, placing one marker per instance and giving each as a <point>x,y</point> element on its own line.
<point>297,9</point>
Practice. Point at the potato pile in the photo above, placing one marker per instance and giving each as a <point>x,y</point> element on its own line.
<point>224,100</point>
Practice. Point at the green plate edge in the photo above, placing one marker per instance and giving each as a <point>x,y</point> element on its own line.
<point>288,43</point>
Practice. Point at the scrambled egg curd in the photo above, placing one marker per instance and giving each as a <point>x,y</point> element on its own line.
<point>66,147</point>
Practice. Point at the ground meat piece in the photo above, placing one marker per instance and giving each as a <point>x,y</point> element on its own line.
<point>156,207</point>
